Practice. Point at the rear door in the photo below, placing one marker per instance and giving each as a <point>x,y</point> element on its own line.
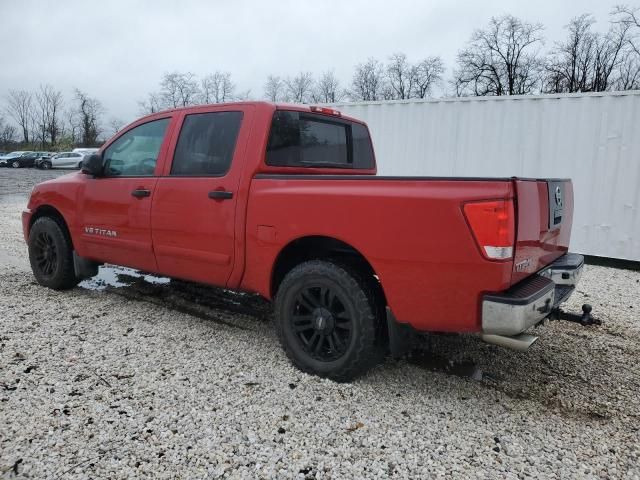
<point>544,212</point>
<point>194,207</point>
<point>72,160</point>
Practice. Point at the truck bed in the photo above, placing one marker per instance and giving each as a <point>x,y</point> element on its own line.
<point>413,232</point>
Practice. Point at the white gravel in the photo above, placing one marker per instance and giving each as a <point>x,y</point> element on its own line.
<point>157,380</point>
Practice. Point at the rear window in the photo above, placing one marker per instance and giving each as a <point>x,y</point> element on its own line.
<point>299,139</point>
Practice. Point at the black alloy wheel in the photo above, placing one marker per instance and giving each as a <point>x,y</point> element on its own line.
<point>329,318</point>
<point>45,253</point>
<point>322,323</point>
<point>51,254</point>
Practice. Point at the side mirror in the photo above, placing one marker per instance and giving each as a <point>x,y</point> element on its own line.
<point>93,165</point>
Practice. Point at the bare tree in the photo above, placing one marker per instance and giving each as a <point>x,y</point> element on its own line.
<point>115,125</point>
<point>89,111</point>
<point>327,89</point>
<point>299,88</point>
<point>368,81</point>
<point>20,108</point>
<point>7,133</point>
<point>217,88</point>
<point>48,107</point>
<point>609,52</point>
<point>569,68</point>
<point>428,74</point>
<point>501,59</point>
<point>243,95</point>
<point>152,104</point>
<point>274,89</point>
<point>179,90</point>
<point>628,77</point>
<point>629,17</point>
<point>589,61</point>
<point>412,81</point>
<point>72,126</point>
<point>55,119</point>
<point>401,75</point>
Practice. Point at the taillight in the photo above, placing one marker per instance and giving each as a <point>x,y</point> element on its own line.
<point>492,223</point>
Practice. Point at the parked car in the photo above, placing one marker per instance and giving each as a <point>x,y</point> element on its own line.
<point>85,150</point>
<point>71,160</point>
<point>284,201</point>
<point>43,159</point>
<point>18,159</point>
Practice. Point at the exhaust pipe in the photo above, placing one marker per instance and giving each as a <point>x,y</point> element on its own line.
<point>520,342</point>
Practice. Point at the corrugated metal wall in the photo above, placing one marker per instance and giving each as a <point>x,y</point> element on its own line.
<point>592,138</point>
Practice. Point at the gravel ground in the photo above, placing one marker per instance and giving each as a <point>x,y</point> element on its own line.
<point>133,376</point>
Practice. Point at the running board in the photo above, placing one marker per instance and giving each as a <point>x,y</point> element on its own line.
<point>520,342</point>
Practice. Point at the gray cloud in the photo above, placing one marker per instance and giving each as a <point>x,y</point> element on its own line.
<point>118,50</point>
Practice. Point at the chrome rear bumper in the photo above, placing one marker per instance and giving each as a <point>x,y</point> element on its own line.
<point>529,302</point>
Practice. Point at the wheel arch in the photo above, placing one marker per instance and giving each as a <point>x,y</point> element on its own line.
<point>52,212</point>
<point>318,247</point>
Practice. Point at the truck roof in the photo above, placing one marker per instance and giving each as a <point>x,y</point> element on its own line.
<point>258,104</point>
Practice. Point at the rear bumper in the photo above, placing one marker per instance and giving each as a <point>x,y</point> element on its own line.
<point>531,301</point>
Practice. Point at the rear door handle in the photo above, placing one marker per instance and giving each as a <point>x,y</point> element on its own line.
<point>141,193</point>
<point>220,195</point>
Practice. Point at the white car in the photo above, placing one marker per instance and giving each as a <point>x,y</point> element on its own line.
<point>85,150</point>
<point>67,160</point>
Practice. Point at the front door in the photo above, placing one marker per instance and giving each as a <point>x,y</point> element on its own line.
<point>194,206</point>
<point>115,213</point>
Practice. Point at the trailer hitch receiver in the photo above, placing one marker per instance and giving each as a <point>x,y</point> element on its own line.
<point>585,319</point>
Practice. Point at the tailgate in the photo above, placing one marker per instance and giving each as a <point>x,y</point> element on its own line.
<point>544,216</point>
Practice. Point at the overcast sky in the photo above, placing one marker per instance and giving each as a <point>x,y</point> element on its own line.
<point>117,51</point>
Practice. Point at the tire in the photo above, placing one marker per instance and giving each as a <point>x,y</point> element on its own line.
<point>327,319</point>
<point>51,254</point>
<point>46,166</point>
<point>15,164</point>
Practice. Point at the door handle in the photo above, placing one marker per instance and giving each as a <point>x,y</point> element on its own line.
<point>220,195</point>
<point>141,193</point>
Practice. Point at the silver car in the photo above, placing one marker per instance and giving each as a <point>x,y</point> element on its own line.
<point>67,160</point>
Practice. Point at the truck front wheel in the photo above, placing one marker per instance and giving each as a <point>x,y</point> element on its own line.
<point>51,254</point>
<point>327,318</point>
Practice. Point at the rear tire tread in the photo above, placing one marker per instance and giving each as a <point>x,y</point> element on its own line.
<point>366,352</point>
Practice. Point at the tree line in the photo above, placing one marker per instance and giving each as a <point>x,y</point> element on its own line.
<point>41,120</point>
<point>509,56</point>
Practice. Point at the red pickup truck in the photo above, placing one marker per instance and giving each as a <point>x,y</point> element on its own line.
<point>284,200</point>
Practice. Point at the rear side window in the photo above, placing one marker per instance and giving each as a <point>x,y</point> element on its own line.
<point>206,144</point>
<point>298,139</point>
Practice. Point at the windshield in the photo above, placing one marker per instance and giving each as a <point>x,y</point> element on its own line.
<point>14,154</point>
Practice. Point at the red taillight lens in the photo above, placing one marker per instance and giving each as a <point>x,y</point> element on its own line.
<point>493,226</point>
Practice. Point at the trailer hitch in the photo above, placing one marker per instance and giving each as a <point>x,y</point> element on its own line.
<point>585,319</point>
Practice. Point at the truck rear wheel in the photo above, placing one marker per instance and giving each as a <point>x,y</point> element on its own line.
<point>327,319</point>
<point>51,255</point>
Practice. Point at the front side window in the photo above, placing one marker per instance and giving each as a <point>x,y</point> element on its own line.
<point>206,144</point>
<point>298,139</point>
<point>136,152</point>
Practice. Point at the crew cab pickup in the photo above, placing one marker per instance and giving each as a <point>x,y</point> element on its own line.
<point>284,200</point>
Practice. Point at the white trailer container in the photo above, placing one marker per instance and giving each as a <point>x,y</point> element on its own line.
<point>592,138</point>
